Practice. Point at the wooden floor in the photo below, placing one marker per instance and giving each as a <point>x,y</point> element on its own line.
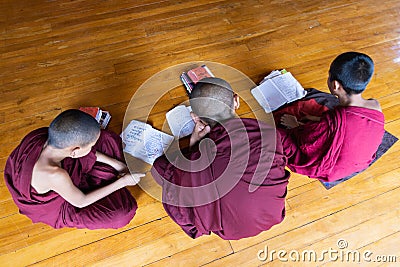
<point>57,55</point>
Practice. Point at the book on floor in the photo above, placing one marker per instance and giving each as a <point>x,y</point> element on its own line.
<point>103,117</point>
<point>180,122</point>
<point>277,89</point>
<point>191,77</point>
<point>147,143</point>
<point>144,142</point>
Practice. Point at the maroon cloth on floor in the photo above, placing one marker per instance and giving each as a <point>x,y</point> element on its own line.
<point>343,142</point>
<point>113,211</point>
<point>239,213</point>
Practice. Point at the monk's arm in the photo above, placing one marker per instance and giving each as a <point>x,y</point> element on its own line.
<point>311,118</point>
<point>291,121</point>
<point>116,164</point>
<point>63,185</point>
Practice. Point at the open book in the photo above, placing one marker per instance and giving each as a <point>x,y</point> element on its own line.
<point>180,122</point>
<point>277,89</point>
<point>144,142</point>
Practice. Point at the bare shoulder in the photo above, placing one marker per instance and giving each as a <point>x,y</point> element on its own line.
<point>373,104</point>
<point>44,177</point>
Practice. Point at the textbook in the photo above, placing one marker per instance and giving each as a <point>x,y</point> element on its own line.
<point>101,116</point>
<point>191,77</point>
<point>180,122</point>
<point>144,142</point>
<point>277,89</point>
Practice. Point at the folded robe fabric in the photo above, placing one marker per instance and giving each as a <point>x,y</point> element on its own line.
<point>343,142</point>
<point>242,154</point>
<point>113,211</point>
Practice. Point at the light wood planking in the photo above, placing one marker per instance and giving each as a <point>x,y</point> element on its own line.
<point>56,55</point>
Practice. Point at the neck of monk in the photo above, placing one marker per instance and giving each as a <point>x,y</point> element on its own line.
<point>351,100</point>
<point>222,117</point>
<point>53,156</point>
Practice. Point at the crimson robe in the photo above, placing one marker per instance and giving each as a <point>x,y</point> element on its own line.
<point>343,142</point>
<point>112,211</point>
<point>230,207</point>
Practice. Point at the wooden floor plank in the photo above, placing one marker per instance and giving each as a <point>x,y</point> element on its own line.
<point>336,199</point>
<point>28,251</point>
<point>385,248</point>
<point>317,230</point>
<point>134,246</point>
<point>353,243</point>
<point>207,251</point>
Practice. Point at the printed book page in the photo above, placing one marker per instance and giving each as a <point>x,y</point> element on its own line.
<point>289,87</point>
<point>144,142</point>
<point>261,99</point>
<point>269,96</point>
<point>180,122</point>
<point>276,90</point>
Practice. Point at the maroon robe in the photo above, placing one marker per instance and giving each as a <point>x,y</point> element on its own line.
<point>241,159</point>
<point>343,142</point>
<point>112,211</point>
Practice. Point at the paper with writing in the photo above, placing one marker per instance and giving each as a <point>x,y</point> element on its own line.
<point>144,142</point>
<point>277,89</point>
<point>180,122</point>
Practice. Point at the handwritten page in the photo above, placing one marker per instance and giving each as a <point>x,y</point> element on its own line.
<point>289,86</point>
<point>180,122</point>
<point>271,94</point>
<point>277,89</point>
<point>144,142</point>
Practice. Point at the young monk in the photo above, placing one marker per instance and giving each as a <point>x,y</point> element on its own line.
<point>66,175</point>
<point>209,189</point>
<point>344,140</point>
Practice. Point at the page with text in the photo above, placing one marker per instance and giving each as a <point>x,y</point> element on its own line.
<point>144,142</point>
<point>180,122</point>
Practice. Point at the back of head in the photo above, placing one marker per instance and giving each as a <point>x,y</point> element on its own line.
<point>212,99</point>
<point>353,71</point>
<point>73,128</point>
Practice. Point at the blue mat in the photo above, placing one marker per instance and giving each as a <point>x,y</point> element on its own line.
<point>388,141</point>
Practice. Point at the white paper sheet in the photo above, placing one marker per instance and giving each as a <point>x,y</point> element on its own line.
<point>144,142</point>
<point>180,122</point>
<point>276,90</point>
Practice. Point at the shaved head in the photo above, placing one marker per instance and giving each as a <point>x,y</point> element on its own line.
<point>212,99</point>
<point>73,128</point>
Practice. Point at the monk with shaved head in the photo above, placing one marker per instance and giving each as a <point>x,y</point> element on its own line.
<point>72,174</point>
<point>214,100</point>
<point>344,140</point>
<point>231,180</point>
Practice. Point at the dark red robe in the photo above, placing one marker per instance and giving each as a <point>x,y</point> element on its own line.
<point>242,160</point>
<point>113,211</point>
<point>343,142</point>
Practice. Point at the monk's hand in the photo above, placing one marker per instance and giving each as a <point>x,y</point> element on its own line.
<point>132,178</point>
<point>289,121</point>
<point>200,130</point>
